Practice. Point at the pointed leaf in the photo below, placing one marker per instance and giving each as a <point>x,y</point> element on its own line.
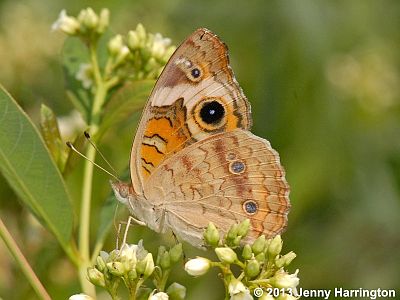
<point>51,135</point>
<point>28,167</point>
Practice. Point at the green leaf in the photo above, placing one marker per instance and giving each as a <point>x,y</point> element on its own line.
<point>74,55</point>
<point>51,135</point>
<point>28,167</point>
<point>127,100</point>
<point>72,159</point>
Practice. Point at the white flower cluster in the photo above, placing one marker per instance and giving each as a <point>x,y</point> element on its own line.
<point>86,21</point>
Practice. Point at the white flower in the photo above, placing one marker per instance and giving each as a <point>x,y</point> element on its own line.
<point>85,75</point>
<point>70,124</point>
<point>65,23</point>
<point>159,46</point>
<point>238,291</point>
<point>283,280</point>
<point>197,266</point>
<point>159,296</point>
<point>128,252</point>
<point>80,297</point>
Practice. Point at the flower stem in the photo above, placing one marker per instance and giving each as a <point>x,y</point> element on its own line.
<point>94,121</point>
<point>23,263</point>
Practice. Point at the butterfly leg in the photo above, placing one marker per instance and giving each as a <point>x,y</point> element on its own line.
<point>131,221</point>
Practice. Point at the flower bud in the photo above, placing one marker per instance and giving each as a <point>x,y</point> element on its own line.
<point>88,18</point>
<point>258,245</point>
<point>176,291</point>
<point>211,235</point>
<point>141,32</point>
<point>104,20</point>
<point>66,24</point>
<point>165,261</point>
<point>198,266</point>
<point>96,277</point>
<point>116,268</point>
<point>80,297</point>
<point>160,253</point>
<point>260,257</point>
<point>279,262</point>
<point>275,247</point>
<point>175,253</point>
<point>133,40</point>
<point>159,296</point>
<point>289,257</point>
<point>252,268</point>
<point>233,232</point>
<point>123,53</point>
<point>283,280</point>
<point>243,228</point>
<point>100,263</point>
<point>247,253</point>
<point>226,255</point>
<point>146,266</point>
<point>115,45</point>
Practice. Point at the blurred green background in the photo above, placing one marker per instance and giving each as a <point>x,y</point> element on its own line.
<point>323,79</point>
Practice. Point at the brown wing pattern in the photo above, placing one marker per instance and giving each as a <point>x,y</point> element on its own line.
<point>195,97</point>
<point>225,178</point>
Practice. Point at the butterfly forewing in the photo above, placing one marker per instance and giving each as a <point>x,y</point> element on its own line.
<point>195,97</point>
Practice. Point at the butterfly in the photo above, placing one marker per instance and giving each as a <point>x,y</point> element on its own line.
<point>194,159</point>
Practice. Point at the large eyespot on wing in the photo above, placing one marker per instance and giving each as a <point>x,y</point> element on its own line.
<point>195,97</point>
<point>225,179</point>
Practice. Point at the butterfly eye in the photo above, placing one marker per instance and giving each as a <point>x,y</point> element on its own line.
<point>212,112</point>
<point>250,207</point>
<point>195,73</point>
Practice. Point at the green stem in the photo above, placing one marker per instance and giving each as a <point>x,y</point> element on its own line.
<point>84,229</point>
<point>23,263</point>
<point>163,281</point>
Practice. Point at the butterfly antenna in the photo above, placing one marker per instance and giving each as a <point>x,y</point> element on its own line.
<point>87,136</point>
<point>69,144</point>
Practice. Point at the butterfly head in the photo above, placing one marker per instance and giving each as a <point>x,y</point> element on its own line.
<point>122,191</point>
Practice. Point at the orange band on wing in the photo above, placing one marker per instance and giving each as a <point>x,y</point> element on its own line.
<point>160,140</point>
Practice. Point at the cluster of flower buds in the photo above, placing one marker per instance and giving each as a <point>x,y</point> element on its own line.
<point>139,55</point>
<point>136,56</point>
<point>87,23</point>
<point>132,264</point>
<point>261,263</point>
<point>151,50</point>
